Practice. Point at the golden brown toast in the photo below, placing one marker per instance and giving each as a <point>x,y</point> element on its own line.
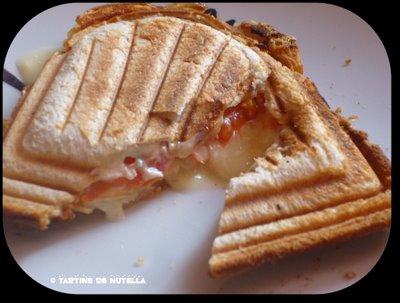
<point>129,74</point>
<point>266,218</point>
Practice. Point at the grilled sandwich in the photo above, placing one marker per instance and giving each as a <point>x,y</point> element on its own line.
<point>140,93</point>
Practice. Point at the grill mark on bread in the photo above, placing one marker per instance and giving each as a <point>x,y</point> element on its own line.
<point>80,84</point>
<point>134,35</point>
<point>302,223</point>
<point>225,87</point>
<point>234,260</point>
<point>328,184</point>
<point>314,178</point>
<point>300,136</point>
<point>192,105</point>
<point>289,210</point>
<point>291,207</point>
<point>154,45</point>
<point>195,54</point>
<point>278,101</point>
<point>157,93</point>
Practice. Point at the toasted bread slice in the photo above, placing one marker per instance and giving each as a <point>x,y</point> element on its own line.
<point>128,75</point>
<point>273,211</point>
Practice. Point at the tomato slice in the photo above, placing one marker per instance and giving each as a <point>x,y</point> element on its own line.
<point>129,161</point>
<point>235,117</point>
<point>101,187</point>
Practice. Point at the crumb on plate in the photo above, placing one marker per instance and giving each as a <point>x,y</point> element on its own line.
<point>352,118</point>
<point>338,110</point>
<point>347,62</point>
<point>350,275</point>
<point>139,262</point>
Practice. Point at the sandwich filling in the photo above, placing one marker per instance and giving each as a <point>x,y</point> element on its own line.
<point>245,132</point>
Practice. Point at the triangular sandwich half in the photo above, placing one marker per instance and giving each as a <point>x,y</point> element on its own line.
<point>135,87</point>
<point>320,182</point>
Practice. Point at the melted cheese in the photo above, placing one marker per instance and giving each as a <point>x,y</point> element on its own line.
<point>30,65</point>
<point>113,207</point>
<point>188,174</point>
<point>115,171</point>
<point>238,155</point>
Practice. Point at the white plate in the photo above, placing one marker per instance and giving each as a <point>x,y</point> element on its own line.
<point>174,232</point>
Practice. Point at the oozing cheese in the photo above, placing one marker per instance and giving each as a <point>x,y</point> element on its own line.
<point>113,207</point>
<point>190,174</point>
<point>247,131</point>
<point>237,156</point>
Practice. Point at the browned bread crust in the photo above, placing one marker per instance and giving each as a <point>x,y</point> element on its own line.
<point>280,46</point>
<point>372,152</point>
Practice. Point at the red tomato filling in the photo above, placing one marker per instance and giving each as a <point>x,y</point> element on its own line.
<point>235,117</point>
<point>129,161</point>
<point>98,188</point>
